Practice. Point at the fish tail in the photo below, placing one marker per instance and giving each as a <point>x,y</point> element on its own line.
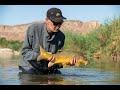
<point>41,56</point>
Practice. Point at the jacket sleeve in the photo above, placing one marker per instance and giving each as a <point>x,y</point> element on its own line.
<point>28,52</point>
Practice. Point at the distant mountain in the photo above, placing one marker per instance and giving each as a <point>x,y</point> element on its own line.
<point>17,32</point>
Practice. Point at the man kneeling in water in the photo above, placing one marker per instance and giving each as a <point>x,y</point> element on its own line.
<point>50,38</point>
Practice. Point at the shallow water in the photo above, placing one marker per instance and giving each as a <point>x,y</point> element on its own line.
<point>93,74</point>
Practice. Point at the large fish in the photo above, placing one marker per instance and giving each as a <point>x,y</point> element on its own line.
<point>62,57</point>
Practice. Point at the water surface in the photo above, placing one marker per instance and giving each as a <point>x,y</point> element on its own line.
<point>93,74</point>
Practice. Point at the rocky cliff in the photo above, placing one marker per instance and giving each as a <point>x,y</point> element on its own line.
<point>18,32</point>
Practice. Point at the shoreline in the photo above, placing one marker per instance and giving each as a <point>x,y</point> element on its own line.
<point>8,51</point>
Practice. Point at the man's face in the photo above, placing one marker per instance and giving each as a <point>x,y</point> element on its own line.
<point>53,26</point>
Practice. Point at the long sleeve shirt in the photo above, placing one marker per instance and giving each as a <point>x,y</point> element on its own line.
<point>37,36</point>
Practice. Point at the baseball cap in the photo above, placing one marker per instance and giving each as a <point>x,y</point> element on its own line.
<point>55,15</point>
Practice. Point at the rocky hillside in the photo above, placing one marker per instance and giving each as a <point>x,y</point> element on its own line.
<point>17,32</point>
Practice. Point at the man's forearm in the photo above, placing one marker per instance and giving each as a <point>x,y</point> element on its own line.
<point>29,54</point>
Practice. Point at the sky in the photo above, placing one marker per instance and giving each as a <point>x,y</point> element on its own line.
<point>23,14</point>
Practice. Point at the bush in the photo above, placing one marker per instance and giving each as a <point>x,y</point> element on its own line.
<point>15,45</point>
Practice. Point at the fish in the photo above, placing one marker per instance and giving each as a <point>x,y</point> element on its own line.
<point>62,57</point>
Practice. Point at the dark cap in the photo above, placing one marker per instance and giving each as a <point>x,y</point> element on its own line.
<point>55,15</point>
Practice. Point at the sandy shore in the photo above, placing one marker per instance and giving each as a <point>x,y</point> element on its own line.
<point>8,53</point>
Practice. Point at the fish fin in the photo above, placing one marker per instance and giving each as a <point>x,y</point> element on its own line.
<point>77,64</point>
<point>50,64</point>
<point>86,62</point>
<point>41,56</point>
<point>64,64</point>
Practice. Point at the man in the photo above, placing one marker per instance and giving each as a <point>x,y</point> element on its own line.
<point>50,38</point>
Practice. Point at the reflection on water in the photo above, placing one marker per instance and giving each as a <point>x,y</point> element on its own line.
<point>40,79</point>
<point>95,74</point>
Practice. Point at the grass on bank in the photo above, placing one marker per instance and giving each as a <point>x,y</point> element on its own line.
<point>104,40</point>
<point>14,45</point>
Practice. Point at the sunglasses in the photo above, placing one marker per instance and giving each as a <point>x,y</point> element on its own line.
<point>56,23</point>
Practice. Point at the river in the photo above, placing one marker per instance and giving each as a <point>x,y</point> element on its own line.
<point>96,73</point>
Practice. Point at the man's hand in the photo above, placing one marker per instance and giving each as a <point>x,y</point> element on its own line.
<point>72,63</point>
<point>51,59</point>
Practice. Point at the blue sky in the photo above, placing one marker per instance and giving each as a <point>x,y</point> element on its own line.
<point>22,14</point>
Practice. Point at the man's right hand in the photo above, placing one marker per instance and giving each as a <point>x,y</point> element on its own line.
<point>52,59</point>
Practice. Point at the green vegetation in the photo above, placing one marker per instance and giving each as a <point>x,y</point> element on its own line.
<point>104,40</point>
<point>75,42</point>
<point>15,45</point>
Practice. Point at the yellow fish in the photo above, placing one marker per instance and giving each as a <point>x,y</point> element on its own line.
<point>62,57</point>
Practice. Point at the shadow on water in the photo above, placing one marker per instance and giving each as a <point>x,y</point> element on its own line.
<point>96,73</point>
<point>40,79</point>
<point>73,76</point>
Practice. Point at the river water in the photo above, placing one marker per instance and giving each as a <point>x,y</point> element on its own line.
<point>96,73</point>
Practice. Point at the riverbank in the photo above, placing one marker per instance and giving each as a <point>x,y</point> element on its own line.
<point>6,53</point>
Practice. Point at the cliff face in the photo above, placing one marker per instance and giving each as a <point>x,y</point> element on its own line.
<point>18,32</point>
<point>13,32</point>
<point>79,27</point>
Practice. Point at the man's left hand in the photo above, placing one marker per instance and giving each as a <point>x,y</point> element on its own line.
<point>72,63</point>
